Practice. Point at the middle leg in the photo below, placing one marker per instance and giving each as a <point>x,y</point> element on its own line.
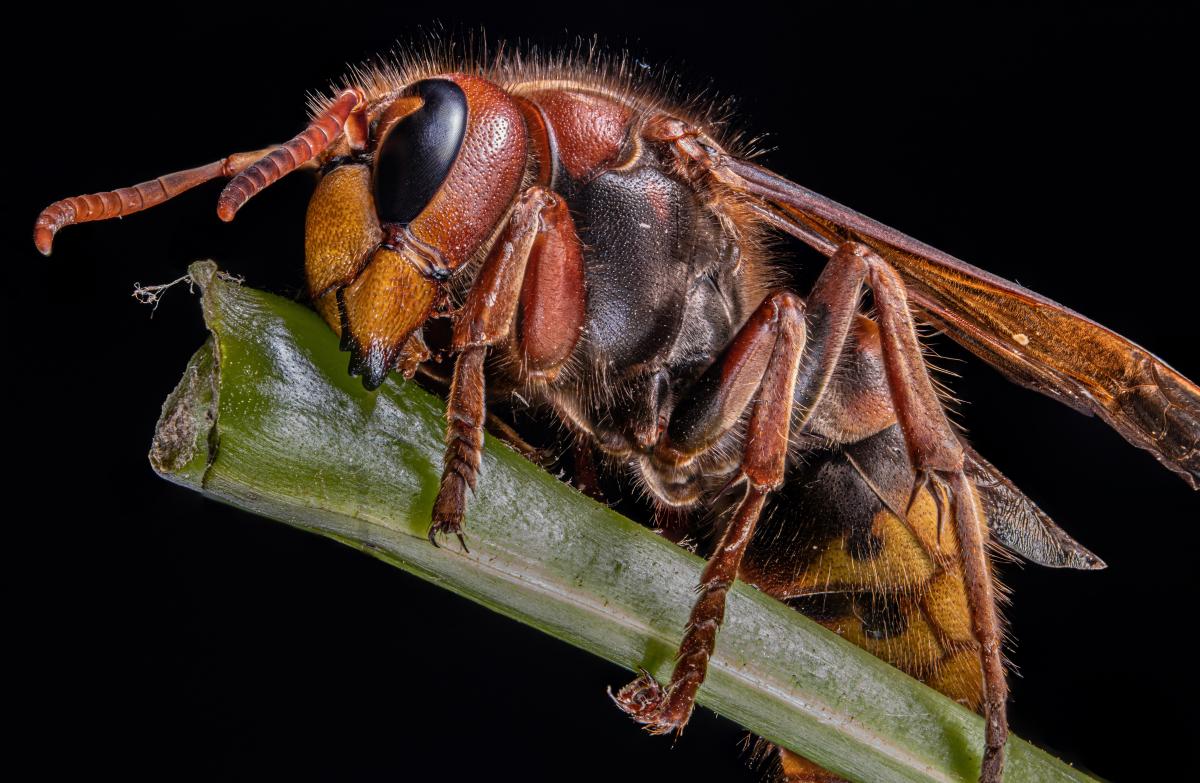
<point>758,369</point>
<point>717,403</point>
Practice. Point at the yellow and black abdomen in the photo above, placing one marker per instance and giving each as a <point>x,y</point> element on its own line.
<point>838,544</point>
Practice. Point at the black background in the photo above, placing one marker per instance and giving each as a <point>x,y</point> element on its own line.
<point>175,637</point>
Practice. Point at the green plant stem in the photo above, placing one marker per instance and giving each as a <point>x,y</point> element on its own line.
<point>267,419</point>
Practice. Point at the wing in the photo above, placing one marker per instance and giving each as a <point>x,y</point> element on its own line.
<point>1034,341</point>
<point>1016,522</point>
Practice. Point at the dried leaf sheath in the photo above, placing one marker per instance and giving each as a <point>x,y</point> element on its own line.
<point>275,426</point>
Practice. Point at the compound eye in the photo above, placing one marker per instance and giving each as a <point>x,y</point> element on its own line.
<point>415,158</point>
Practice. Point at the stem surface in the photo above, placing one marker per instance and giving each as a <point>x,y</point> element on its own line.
<point>267,419</point>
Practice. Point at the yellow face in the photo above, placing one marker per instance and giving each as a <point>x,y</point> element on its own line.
<point>371,295</point>
<point>437,166</point>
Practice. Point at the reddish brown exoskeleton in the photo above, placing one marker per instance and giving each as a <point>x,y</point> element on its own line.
<point>599,252</point>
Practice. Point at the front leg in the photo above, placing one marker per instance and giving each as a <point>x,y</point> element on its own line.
<point>536,264</point>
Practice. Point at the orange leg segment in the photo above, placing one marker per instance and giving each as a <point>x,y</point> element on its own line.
<point>538,260</point>
<point>788,383</point>
<point>774,336</point>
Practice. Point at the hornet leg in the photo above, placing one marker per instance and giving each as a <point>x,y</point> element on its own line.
<point>759,368</point>
<point>537,259</point>
<point>935,451</point>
